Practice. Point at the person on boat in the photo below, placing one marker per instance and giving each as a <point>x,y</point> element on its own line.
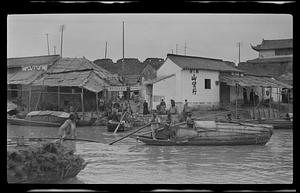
<point>189,121</point>
<point>162,106</point>
<point>185,109</point>
<point>173,110</point>
<point>68,131</point>
<point>155,120</point>
<point>145,108</point>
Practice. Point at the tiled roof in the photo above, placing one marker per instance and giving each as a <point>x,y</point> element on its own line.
<point>32,60</point>
<point>154,62</point>
<point>193,62</point>
<point>274,59</point>
<point>272,70</point>
<point>132,66</point>
<point>274,44</point>
<point>286,78</point>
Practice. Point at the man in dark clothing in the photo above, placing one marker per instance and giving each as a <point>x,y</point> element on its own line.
<point>245,96</point>
<point>252,97</point>
<point>145,109</point>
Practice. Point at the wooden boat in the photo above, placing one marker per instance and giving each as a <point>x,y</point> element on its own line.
<point>208,133</point>
<point>276,123</point>
<point>42,162</point>
<point>16,121</point>
<point>41,118</point>
<point>112,125</point>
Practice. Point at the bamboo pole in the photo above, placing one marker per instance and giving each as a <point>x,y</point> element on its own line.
<point>270,103</point>
<point>236,95</point>
<point>58,97</point>
<point>82,106</point>
<point>29,99</point>
<point>97,105</point>
<point>278,96</point>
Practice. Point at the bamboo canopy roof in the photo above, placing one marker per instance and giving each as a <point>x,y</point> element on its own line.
<point>78,72</point>
<point>252,81</point>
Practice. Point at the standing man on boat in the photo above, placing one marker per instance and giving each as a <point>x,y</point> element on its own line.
<point>173,110</point>
<point>185,109</point>
<point>155,121</point>
<point>145,108</point>
<point>68,131</point>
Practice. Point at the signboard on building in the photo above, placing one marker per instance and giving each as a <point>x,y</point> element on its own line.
<point>117,88</point>
<point>35,68</point>
<point>133,88</point>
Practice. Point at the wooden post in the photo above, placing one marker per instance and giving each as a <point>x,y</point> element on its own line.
<point>262,94</point>
<point>82,106</point>
<point>97,104</point>
<point>278,96</point>
<point>58,99</point>
<point>29,99</point>
<point>236,95</point>
<point>270,103</point>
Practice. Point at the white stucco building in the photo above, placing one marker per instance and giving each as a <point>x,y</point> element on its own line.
<point>188,77</point>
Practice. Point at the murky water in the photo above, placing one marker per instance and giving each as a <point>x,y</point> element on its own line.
<point>131,162</point>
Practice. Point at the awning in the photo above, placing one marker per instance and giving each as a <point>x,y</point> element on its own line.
<point>252,81</point>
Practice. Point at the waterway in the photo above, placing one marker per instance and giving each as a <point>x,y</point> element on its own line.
<point>132,162</point>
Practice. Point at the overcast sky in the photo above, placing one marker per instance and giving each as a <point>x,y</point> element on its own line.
<point>146,35</point>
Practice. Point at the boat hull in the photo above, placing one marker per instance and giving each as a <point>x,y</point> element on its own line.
<point>222,134</point>
<point>24,122</point>
<point>277,124</point>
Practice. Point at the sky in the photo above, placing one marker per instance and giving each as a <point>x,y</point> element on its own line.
<point>146,35</point>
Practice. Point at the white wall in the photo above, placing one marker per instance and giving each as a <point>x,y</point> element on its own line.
<point>266,53</point>
<point>203,96</point>
<point>168,68</point>
<point>166,88</point>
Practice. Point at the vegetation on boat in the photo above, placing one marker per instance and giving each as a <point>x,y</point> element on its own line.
<point>42,163</point>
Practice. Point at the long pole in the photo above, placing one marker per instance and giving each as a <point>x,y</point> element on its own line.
<point>54,50</point>
<point>97,105</point>
<point>239,52</point>
<point>105,49</point>
<point>61,39</point>
<point>123,53</point>
<point>278,96</point>
<point>236,95</point>
<point>185,48</point>
<point>48,44</point>
<point>176,48</point>
<point>82,106</point>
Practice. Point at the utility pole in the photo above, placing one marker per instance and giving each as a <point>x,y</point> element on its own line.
<point>61,39</point>
<point>239,45</point>
<point>105,49</point>
<point>176,48</point>
<point>185,48</point>
<point>48,44</point>
<point>123,54</point>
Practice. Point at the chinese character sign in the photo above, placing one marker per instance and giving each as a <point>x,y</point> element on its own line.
<point>194,78</point>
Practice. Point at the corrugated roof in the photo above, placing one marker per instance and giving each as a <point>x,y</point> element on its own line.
<point>252,81</point>
<point>32,60</point>
<point>193,62</point>
<point>274,44</point>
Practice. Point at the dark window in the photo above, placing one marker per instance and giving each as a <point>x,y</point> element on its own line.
<point>191,71</point>
<point>14,92</point>
<point>197,71</point>
<point>207,84</point>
